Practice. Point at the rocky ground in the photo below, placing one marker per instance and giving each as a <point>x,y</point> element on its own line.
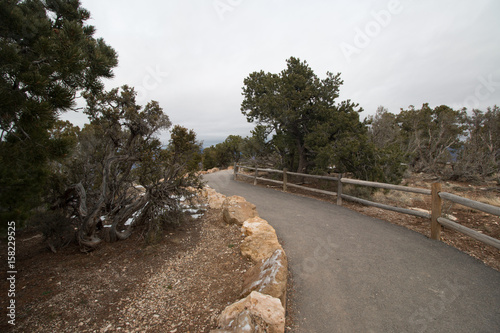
<point>185,281</point>
<point>178,285</point>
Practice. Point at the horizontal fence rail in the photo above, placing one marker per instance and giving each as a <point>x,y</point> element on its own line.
<point>436,199</point>
<point>313,176</point>
<point>469,232</point>
<point>244,175</point>
<point>386,186</point>
<point>387,207</point>
<point>490,209</point>
<point>248,167</point>
<point>311,189</point>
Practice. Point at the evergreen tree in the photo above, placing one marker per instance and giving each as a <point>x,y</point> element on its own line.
<point>116,154</point>
<point>384,133</point>
<point>257,147</point>
<point>209,158</point>
<point>289,103</point>
<point>429,135</point>
<point>223,154</point>
<point>47,56</point>
<point>479,157</point>
<point>185,149</point>
<point>312,131</point>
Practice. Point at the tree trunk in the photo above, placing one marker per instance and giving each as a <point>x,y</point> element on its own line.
<point>302,157</point>
<point>122,217</point>
<point>86,233</point>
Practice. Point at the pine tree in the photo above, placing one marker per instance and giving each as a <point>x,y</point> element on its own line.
<point>48,55</point>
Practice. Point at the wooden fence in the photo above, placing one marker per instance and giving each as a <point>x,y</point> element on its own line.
<point>435,192</point>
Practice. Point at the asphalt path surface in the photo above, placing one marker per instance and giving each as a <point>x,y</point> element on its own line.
<point>354,273</point>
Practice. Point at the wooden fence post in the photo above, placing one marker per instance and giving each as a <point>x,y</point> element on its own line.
<point>339,190</point>
<point>436,211</point>
<point>235,171</point>
<point>256,174</point>
<point>285,179</point>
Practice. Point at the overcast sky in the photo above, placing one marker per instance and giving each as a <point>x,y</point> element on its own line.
<point>192,55</point>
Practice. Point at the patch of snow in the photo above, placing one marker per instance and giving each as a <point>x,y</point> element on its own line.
<point>451,217</point>
<point>247,328</point>
<point>272,264</point>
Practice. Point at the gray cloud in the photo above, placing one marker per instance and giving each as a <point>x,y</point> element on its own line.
<point>192,56</point>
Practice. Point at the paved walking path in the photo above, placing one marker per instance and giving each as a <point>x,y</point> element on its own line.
<point>354,273</point>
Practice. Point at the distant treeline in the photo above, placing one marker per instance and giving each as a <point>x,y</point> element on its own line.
<point>451,144</point>
<point>301,126</point>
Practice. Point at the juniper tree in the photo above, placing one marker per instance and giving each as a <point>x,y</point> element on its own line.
<point>117,154</point>
<point>428,135</point>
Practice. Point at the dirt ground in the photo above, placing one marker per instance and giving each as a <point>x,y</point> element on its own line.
<point>178,285</point>
<point>488,192</point>
<point>185,281</point>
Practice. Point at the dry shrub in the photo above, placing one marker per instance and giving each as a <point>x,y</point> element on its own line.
<point>488,198</point>
<point>398,197</point>
<point>57,229</point>
<point>362,192</point>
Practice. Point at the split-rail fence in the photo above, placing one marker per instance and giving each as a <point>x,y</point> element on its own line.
<point>437,197</point>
